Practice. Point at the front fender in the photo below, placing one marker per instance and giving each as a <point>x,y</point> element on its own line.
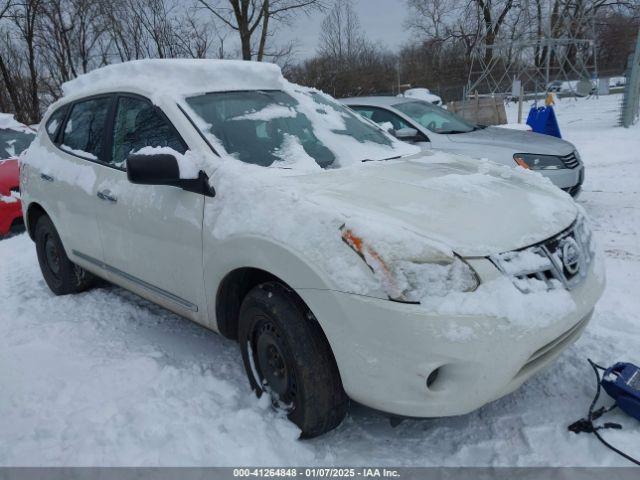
<point>295,268</point>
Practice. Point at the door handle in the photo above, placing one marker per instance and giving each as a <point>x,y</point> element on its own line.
<point>46,178</point>
<point>106,196</point>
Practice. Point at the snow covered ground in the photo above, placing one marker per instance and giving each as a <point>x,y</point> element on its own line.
<point>105,378</point>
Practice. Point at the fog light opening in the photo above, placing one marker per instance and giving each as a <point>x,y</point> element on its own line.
<point>433,376</point>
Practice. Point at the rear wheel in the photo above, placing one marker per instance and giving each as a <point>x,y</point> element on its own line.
<point>62,276</point>
<point>287,357</point>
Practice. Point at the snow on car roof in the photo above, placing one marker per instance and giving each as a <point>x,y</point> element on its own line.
<point>177,77</point>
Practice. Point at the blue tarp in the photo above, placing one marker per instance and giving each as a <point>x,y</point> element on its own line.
<point>543,120</point>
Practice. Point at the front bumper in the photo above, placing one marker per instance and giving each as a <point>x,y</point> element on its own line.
<point>386,351</point>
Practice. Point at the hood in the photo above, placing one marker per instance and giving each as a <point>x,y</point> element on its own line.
<point>518,141</point>
<point>477,208</point>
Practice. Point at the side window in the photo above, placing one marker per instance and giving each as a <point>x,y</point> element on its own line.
<point>380,116</point>
<point>139,124</point>
<point>84,130</point>
<point>54,122</point>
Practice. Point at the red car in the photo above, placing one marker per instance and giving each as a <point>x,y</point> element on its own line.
<point>14,139</point>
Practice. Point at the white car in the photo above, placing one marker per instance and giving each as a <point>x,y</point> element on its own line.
<point>346,263</point>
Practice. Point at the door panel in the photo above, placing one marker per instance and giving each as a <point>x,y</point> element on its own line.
<point>152,235</point>
<point>70,172</point>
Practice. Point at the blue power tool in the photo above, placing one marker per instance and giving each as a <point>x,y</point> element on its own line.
<point>622,383</point>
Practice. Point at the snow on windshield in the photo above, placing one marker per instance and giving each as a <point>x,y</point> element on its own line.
<point>263,127</point>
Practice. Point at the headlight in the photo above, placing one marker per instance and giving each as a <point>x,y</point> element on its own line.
<point>411,280</point>
<point>533,161</point>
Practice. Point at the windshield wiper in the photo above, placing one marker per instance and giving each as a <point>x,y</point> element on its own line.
<point>381,159</point>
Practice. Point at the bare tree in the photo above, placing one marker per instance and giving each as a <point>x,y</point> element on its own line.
<point>255,18</point>
<point>24,16</point>
<point>341,38</point>
<point>467,20</point>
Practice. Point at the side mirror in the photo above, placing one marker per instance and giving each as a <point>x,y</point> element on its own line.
<point>408,135</point>
<point>162,169</point>
<point>156,169</point>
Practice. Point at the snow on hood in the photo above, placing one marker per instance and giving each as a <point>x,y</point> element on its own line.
<point>177,77</point>
<point>476,208</point>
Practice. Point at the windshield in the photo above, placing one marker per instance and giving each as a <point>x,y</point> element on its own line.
<point>435,119</point>
<point>285,128</point>
<point>13,143</point>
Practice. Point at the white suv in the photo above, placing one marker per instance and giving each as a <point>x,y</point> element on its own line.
<point>346,263</point>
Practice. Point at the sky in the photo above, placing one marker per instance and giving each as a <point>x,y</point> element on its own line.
<point>382,21</point>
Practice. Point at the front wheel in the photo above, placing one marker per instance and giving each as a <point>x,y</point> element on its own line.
<point>62,276</point>
<point>287,356</point>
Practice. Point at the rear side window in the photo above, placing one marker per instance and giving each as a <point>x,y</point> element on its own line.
<point>54,122</point>
<point>84,131</point>
<point>139,124</point>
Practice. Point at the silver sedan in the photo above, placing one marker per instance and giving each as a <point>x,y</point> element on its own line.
<point>434,127</point>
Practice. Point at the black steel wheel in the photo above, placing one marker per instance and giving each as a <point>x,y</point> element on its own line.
<point>61,275</point>
<point>287,356</point>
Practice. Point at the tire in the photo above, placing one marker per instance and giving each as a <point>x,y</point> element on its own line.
<point>287,356</point>
<point>62,276</point>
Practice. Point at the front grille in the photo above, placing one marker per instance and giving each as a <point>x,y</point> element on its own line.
<point>559,262</point>
<point>571,160</point>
